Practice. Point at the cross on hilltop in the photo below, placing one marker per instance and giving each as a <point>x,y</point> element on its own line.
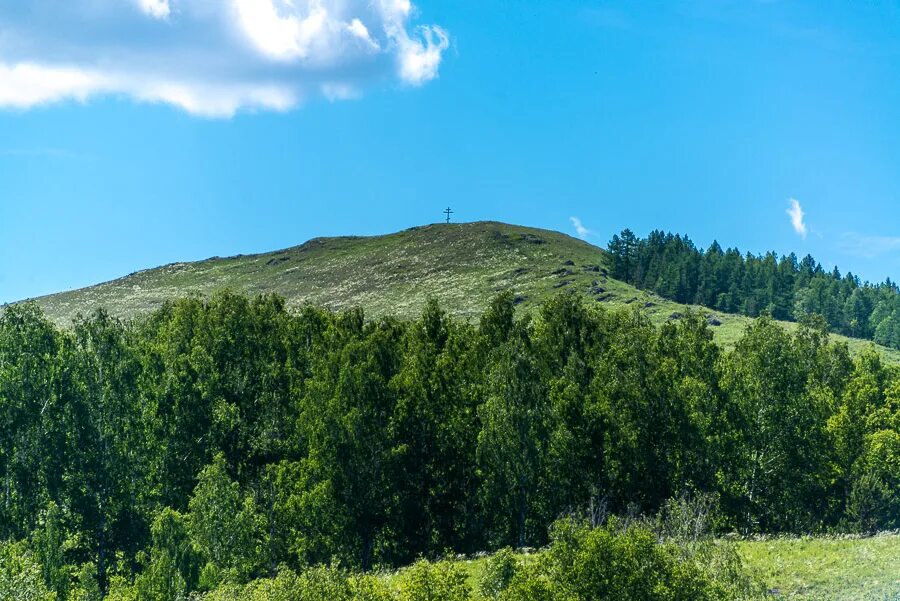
<point>448,212</point>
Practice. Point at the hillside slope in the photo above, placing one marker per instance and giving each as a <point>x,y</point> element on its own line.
<point>461,265</point>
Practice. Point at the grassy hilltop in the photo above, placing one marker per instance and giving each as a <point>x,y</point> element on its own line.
<point>461,265</point>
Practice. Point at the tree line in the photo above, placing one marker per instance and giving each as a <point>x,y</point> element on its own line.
<point>787,288</point>
<point>223,440</point>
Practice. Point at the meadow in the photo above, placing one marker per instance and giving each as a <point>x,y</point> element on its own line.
<point>824,568</point>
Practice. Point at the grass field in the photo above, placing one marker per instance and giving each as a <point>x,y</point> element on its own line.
<point>804,569</point>
<point>463,266</point>
<point>828,568</point>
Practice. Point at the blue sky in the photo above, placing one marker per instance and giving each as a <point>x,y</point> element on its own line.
<point>169,133</point>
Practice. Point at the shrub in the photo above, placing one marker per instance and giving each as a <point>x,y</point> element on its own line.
<point>20,575</point>
<point>689,518</point>
<point>533,582</point>
<point>315,584</point>
<point>499,570</point>
<point>628,564</point>
<point>874,503</point>
<point>440,581</point>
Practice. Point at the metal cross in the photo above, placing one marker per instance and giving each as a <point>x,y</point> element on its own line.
<point>448,212</point>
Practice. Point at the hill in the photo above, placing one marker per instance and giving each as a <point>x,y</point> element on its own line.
<point>461,265</point>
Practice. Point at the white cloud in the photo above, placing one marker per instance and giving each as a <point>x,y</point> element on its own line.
<point>582,231</point>
<point>214,100</point>
<point>288,36</point>
<point>399,7</point>
<point>339,91</point>
<point>359,29</point>
<point>795,212</point>
<point>25,84</point>
<point>158,9</point>
<point>420,58</point>
<point>211,57</point>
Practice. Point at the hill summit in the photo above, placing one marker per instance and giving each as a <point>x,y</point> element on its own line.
<point>461,265</point>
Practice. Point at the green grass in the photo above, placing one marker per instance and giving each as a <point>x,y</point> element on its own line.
<point>828,568</point>
<point>803,569</point>
<point>463,266</point>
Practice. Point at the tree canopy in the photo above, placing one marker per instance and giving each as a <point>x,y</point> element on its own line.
<point>785,287</point>
<point>224,440</point>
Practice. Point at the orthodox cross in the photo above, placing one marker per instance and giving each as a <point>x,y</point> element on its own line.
<point>448,212</point>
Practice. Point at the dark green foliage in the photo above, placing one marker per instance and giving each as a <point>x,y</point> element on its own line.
<point>780,407</point>
<point>172,569</point>
<point>49,542</point>
<point>512,441</point>
<point>224,525</point>
<point>230,444</point>
<point>785,288</point>
<point>875,497</point>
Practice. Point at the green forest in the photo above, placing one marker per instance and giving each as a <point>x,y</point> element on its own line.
<point>228,448</point>
<point>785,288</point>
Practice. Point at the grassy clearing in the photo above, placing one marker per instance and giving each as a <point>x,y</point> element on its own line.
<point>804,569</point>
<point>463,266</point>
<point>828,568</point>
